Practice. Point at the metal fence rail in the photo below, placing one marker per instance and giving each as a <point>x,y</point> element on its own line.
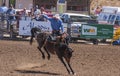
<point>7,26</point>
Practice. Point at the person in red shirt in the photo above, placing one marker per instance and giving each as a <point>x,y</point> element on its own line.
<point>98,10</point>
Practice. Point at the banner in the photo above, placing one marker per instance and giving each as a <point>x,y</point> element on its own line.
<point>25,26</point>
<point>97,31</point>
<point>61,6</point>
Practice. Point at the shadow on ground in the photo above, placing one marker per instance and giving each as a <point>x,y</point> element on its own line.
<point>37,72</point>
<point>15,39</point>
<point>74,42</point>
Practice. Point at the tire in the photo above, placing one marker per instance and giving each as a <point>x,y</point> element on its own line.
<point>103,40</point>
<point>73,40</point>
<point>95,41</point>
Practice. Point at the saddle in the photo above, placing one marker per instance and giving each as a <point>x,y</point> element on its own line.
<point>54,35</point>
<point>52,38</point>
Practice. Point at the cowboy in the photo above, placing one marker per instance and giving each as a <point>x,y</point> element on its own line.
<point>57,26</point>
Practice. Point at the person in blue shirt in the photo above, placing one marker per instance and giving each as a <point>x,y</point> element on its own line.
<point>57,27</point>
<point>11,13</point>
<point>11,16</point>
<point>56,24</point>
<point>3,8</point>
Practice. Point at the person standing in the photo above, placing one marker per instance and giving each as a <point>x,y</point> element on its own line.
<point>3,10</point>
<point>36,13</point>
<point>24,12</point>
<point>11,15</point>
<point>98,10</point>
<point>42,9</point>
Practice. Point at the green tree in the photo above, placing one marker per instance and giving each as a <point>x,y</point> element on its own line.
<point>12,2</point>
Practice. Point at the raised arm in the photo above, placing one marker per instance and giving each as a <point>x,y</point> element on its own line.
<point>45,16</point>
<point>62,28</point>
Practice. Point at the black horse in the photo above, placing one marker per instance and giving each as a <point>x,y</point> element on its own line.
<point>58,47</point>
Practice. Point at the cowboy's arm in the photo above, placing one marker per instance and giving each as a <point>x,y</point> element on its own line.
<point>46,17</point>
<point>62,28</point>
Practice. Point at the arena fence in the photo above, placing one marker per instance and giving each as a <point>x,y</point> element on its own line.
<point>11,27</point>
<point>7,26</point>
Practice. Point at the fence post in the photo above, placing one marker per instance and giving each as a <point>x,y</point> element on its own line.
<point>1,25</point>
<point>1,34</point>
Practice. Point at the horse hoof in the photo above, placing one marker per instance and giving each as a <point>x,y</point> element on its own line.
<point>48,57</point>
<point>43,57</point>
<point>74,74</point>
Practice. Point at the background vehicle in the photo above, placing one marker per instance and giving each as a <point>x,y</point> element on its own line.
<point>73,17</point>
<point>74,22</point>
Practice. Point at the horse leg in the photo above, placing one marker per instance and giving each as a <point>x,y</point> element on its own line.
<point>70,68</point>
<point>43,56</point>
<point>31,40</point>
<point>61,59</point>
<point>47,52</point>
<point>32,35</point>
<point>67,59</point>
<point>67,40</point>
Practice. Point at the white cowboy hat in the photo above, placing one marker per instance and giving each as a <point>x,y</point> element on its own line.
<point>56,16</point>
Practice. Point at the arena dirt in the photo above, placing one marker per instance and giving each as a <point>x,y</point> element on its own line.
<point>19,58</point>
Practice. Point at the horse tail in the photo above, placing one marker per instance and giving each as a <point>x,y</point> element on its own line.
<point>32,36</point>
<point>33,32</point>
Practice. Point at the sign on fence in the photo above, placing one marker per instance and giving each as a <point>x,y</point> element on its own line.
<point>98,31</point>
<point>25,26</point>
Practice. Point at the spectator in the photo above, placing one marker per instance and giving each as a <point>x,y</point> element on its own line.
<point>3,8</point>
<point>36,13</point>
<point>11,15</point>
<point>42,9</point>
<point>98,10</point>
<point>24,14</point>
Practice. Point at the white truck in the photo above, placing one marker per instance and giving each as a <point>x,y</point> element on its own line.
<point>74,22</point>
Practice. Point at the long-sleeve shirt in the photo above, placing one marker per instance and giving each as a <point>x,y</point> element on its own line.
<point>3,9</point>
<point>56,24</point>
<point>11,13</point>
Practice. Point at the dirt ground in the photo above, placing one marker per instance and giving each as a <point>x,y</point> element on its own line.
<point>19,58</point>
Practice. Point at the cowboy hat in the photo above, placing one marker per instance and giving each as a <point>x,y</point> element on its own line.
<point>56,16</point>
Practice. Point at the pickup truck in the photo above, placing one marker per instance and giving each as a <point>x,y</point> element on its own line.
<point>74,22</point>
